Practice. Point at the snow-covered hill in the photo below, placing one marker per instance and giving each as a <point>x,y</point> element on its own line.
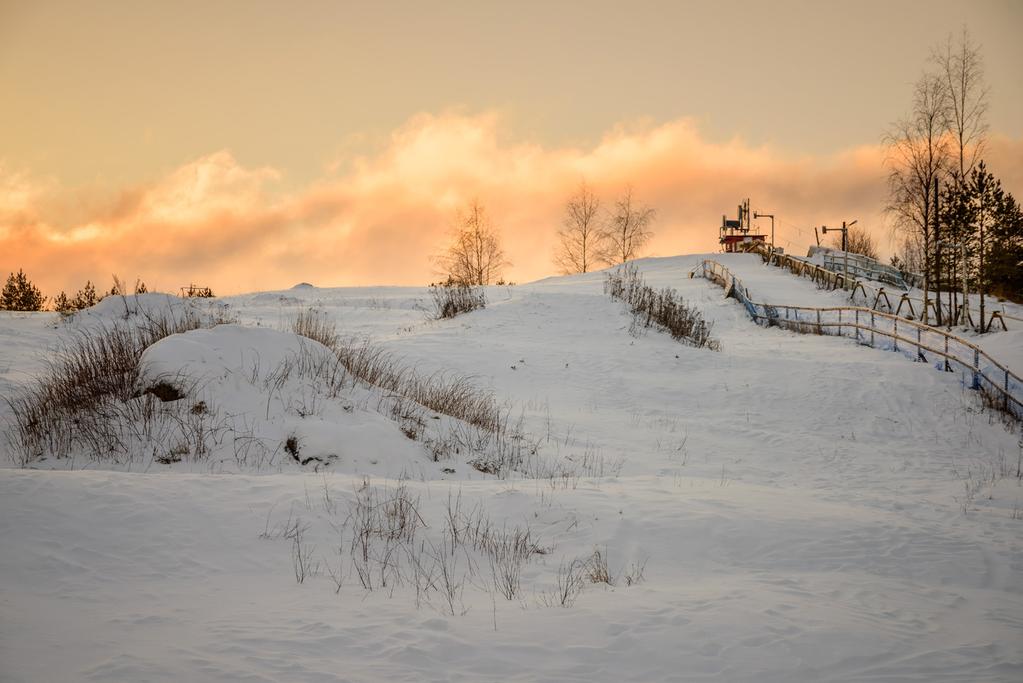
<point>790,508</point>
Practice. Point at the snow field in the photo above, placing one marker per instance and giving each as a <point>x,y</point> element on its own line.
<point>806,509</point>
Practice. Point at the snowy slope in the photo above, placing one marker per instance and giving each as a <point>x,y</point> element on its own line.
<point>807,509</point>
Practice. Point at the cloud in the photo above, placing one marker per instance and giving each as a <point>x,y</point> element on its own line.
<point>377,219</point>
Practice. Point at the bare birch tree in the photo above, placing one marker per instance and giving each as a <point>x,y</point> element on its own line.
<point>858,241</point>
<point>474,256</point>
<point>961,67</point>
<point>627,230</point>
<point>580,238</point>
<point>960,64</point>
<point>918,152</point>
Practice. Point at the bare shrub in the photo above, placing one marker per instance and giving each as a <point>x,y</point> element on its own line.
<point>596,568</point>
<point>450,581</point>
<point>384,545</point>
<point>568,585</point>
<point>445,393</point>
<point>635,574</point>
<point>381,523</point>
<point>453,298</point>
<point>508,551</point>
<point>481,429</point>
<point>316,325</point>
<point>664,309</point>
<point>90,395</point>
<point>301,556</point>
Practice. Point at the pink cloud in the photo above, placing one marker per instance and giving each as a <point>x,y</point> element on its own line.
<point>218,223</point>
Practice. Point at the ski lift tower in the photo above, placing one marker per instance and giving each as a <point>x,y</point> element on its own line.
<point>735,234</point>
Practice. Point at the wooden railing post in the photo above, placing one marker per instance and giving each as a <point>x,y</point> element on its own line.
<point>976,369</point>
<point>1005,396</point>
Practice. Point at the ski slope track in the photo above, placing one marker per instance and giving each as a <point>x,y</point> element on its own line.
<point>803,508</point>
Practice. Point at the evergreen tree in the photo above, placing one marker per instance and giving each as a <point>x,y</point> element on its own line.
<point>986,222</point>
<point>957,217</point>
<point>86,296</point>
<point>985,196</point>
<point>1005,259</point>
<point>63,304</point>
<point>19,294</point>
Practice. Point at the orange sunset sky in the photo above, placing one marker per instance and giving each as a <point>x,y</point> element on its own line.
<point>254,145</point>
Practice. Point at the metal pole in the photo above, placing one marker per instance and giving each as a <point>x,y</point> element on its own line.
<point>757,214</point>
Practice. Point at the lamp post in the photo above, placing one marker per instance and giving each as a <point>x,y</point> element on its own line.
<point>771,216</point>
<point>845,232</point>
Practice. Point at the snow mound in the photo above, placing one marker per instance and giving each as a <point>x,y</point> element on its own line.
<point>124,306</point>
<point>225,350</point>
<point>273,393</point>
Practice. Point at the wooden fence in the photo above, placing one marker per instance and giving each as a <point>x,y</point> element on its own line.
<point>880,330</point>
<point>877,298</point>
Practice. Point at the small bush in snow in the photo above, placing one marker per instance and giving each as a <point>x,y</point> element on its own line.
<point>315,325</point>
<point>664,309</point>
<point>90,400</point>
<point>597,570</point>
<point>452,298</point>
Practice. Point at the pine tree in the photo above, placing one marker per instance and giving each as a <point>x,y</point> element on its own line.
<point>986,195</point>
<point>987,220</point>
<point>63,304</point>
<point>1005,259</point>
<point>19,294</point>
<point>957,217</point>
<point>86,296</point>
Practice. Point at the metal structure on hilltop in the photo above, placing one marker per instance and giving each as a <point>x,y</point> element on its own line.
<point>734,235</point>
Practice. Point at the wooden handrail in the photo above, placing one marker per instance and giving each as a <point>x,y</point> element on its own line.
<point>767,254</point>
<point>715,271</point>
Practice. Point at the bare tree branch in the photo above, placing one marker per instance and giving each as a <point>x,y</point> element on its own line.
<point>961,67</point>
<point>627,231</point>
<point>918,152</point>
